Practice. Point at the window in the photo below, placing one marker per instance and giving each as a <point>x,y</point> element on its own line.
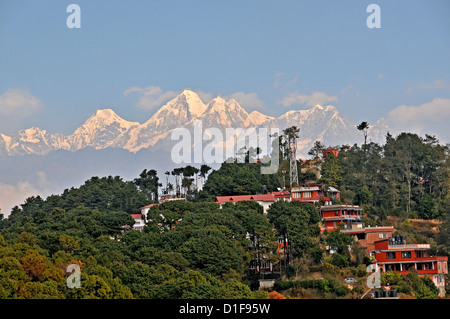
<point>361,236</point>
<point>390,267</point>
<point>420,253</point>
<point>390,255</point>
<point>382,235</point>
<point>307,195</point>
<point>408,267</point>
<point>336,213</point>
<point>406,254</point>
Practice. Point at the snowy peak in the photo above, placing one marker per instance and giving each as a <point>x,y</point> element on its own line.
<point>318,107</point>
<point>180,110</point>
<point>103,129</point>
<point>32,134</point>
<point>31,141</point>
<point>321,109</point>
<point>195,104</point>
<point>258,118</point>
<point>220,112</point>
<point>218,105</point>
<point>106,117</point>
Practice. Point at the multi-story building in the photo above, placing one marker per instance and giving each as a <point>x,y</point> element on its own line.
<point>366,235</point>
<point>333,215</point>
<point>309,194</point>
<point>139,221</point>
<point>394,254</point>
<point>314,194</point>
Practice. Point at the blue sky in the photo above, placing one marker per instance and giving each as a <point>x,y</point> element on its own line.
<point>272,56</point>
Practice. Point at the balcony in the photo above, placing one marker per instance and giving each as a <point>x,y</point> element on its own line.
<point>409,246</point>
<point>424,265</point>
<point>342,217</point>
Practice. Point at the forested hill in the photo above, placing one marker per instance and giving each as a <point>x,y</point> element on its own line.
<point>195,249</point>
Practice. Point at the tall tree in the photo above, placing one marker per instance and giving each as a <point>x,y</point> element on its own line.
<point>364,127</point>
<point>317,149</point>
<point>204,170</point>
<point>148,183</point>
<point>331,171</point>
<point>167,173</point>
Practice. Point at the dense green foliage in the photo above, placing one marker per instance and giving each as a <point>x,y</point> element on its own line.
<point>408,177</point>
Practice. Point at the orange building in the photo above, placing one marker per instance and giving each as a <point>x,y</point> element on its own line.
<point>393,254</point>
<point>314,194</point>
<point>310,194</point>
<point>367,236</point>
<point>330,150</point>
<point>333,215</point>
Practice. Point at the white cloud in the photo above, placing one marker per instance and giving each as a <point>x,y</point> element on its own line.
<point>15,194</point>
<point>430,118</point>
<point>12,195</point>
<point>150,97</point>
<point>308,100</point>
<point>19,102</point>
<point>247,100</point>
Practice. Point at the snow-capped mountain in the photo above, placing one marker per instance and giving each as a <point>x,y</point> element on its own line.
<point>102,130</point>
<point>177,112</point>
<point>258,118</point>
<point>222,114</point>
<point>31,141</point>
<point>105,129</point>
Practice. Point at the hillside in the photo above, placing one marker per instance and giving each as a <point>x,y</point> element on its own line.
<point>197,249</point>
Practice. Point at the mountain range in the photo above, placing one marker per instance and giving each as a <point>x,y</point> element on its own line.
<point>105,129</point>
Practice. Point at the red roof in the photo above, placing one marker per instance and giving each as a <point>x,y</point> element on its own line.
<point>148,206</point>
<point>281,194</point>
<point>136,216</point>
<point>239,198</point>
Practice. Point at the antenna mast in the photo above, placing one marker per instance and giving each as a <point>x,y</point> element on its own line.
<point>293,173</point>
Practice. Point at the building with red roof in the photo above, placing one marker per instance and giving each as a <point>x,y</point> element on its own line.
<point>139,221</point>
<point>367,236</point>
<point>333,215</point>
<point>265,200</point>
<point>393,254</point>
<point>283,195</point>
